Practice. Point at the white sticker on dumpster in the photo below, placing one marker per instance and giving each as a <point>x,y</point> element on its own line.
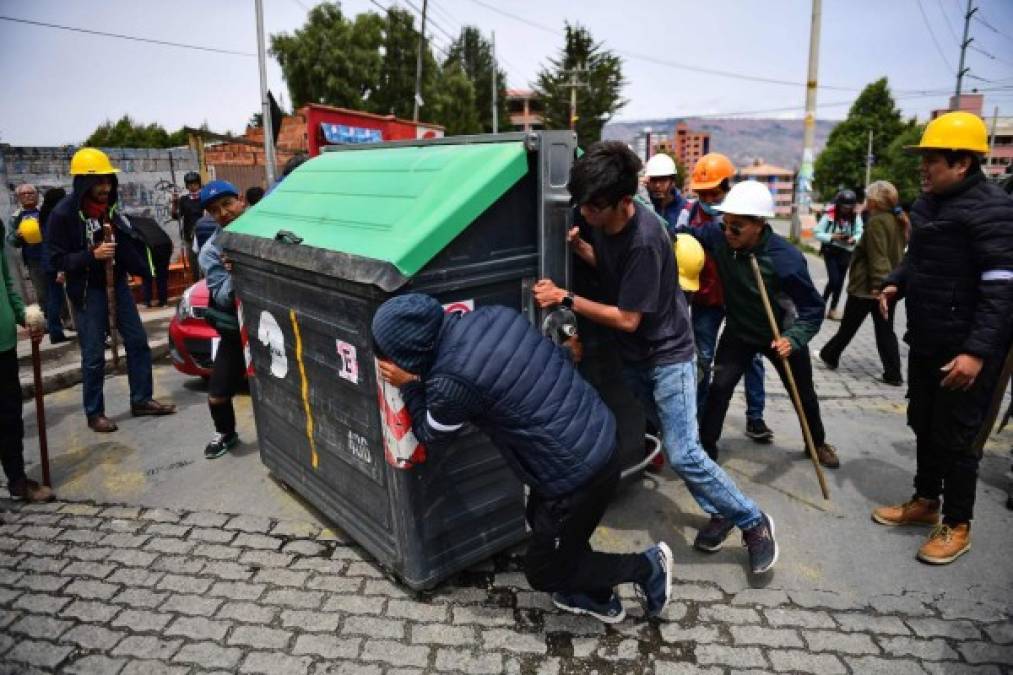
<point>270,335</point>
<point>401,449</point>
<point>349,362</point>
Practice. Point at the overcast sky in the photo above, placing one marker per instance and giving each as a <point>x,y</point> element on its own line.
<point>58,85</point>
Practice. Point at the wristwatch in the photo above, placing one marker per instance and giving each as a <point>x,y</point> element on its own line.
<point>568,300</point>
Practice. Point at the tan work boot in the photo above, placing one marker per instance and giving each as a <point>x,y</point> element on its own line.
<point>30,491</point>
<point>945,544</point>
<point>827,455</point>
<point>915,511</point>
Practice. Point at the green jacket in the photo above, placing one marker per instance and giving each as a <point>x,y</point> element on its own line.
<point>12,307</point>
<point>878,253</point>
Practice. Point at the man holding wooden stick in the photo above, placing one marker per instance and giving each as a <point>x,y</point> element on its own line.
<point>795,304</point>
<point>78,245</point>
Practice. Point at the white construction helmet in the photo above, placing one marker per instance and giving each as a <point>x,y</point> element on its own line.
<point>659,166</point>
<point>748,198</point>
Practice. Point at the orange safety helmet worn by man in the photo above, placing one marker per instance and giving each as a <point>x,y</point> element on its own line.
<point>710,170</point>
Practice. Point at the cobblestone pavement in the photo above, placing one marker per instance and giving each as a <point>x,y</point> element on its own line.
<point>91,589</point>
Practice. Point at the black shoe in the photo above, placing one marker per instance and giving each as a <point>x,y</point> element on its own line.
<point>762,545</point>
<point>656,591</point>
<point>579,603</point>
<point>831,364</point>
<point>759,431</point>
<point>57,339</point>
<point>712,537</point>
<point>220,444</point>
<point>892,381</point>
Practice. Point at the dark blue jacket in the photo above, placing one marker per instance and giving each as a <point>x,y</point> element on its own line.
<point>493,369</point>
<point>70,237</point>
<point>670,213</point>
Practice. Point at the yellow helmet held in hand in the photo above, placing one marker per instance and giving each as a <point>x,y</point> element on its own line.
<point>954,131</point>
<point>29,231</point>
<point>91,162</point>
<point>690,257</point>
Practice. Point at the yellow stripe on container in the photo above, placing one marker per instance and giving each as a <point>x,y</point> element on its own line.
<point>314,458</point>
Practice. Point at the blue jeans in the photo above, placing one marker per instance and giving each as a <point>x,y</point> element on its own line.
<point>54,307</point>
<point>92,323</point>
<point>668,393</point>
<point>706,324</point>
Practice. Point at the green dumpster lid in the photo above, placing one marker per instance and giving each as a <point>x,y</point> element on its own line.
<point>401,205</point>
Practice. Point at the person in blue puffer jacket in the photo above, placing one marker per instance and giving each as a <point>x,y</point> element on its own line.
<point>492,368</point>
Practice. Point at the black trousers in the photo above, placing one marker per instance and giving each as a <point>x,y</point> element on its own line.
<point>559,557</point>
<point>730,362</point>
<point>161,280</point>
<point>12,426</point>
<point>855,311</point>
<point>946,424</point>
<point>837,260</point>
<point>227,375</point>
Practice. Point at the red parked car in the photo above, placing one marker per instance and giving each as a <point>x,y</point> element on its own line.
<point>192,339</point>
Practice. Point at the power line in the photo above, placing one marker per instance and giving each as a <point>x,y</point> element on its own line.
<point>133,38</point>
<point>932,34</point>
<point>980,19</point>
<point>429,19</point>
<point>663,62</point>
<point>946,21</point>
<point>990,55</point>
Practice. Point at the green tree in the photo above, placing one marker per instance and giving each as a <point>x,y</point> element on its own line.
<point>900,167</point>
<point>842,162</point>
<point>126,133</point>
<point>331,59</point>
<point>453,103</point>
<point>395,90</point>
<point>587,62</point>
<point>473,53</point>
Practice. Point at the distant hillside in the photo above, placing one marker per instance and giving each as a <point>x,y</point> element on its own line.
<point>778,142</point>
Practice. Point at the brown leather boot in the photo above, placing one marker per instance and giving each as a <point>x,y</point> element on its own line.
<point>946,543</point>
<point>827,454</point>
<point>101,424</point>
<point>151,407</point>
<point>915,511</point>
<point>31,491</point>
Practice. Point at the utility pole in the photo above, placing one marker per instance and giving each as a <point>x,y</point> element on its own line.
<point>805,172</point>
<point>495,87</point>
<point>868,161</point>
<point>418,63</point>
<point>961,70</point>
<point>573,84</point>
<point>265,105</point>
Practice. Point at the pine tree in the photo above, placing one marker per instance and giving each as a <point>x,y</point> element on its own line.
<point>473,53</point>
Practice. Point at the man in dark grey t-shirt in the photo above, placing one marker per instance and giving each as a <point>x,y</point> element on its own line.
<point>645,306</point>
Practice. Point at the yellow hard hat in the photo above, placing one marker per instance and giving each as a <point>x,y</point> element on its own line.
<point>91,162</point>
<point>29,231</point>
<point>690,257</point>
<point>954,131</point>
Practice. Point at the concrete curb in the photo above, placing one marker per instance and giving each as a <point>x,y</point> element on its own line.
<point>62,377</point>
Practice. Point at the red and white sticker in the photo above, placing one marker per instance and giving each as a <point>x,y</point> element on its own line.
<point>349,362</point>
<point>459,307</point>
<point>400,447</point>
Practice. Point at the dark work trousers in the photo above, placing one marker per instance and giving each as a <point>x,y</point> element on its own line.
<point>837,260</point>
<point>161,280</point>
<point>855,311</point>
<point>12,426</point>
<point>730,362</point>
<point>227,376</point>
<point>559,557</point>
<point>946,424</point>
<point>191,259</point>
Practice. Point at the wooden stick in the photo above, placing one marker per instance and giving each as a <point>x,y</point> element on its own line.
<point>792,387</point>
<point>40,408</point>
<point>109,237</point>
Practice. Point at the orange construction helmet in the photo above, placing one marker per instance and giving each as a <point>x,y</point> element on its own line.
<point>710,170</point>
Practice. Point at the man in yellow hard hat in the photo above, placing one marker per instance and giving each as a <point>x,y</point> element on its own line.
<point>25,233</point>
<point>957,278</point>
<point>711,181</point>
<point>77,245</point>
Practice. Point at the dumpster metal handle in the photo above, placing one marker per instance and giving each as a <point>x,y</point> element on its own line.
<point>637,468</point>
<point>286,237</point>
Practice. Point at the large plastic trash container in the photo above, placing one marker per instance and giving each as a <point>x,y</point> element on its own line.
<point>470,220</point>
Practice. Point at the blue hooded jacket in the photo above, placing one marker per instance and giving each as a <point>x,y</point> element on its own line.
<point>70,237</point>
<point>492,368</point>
